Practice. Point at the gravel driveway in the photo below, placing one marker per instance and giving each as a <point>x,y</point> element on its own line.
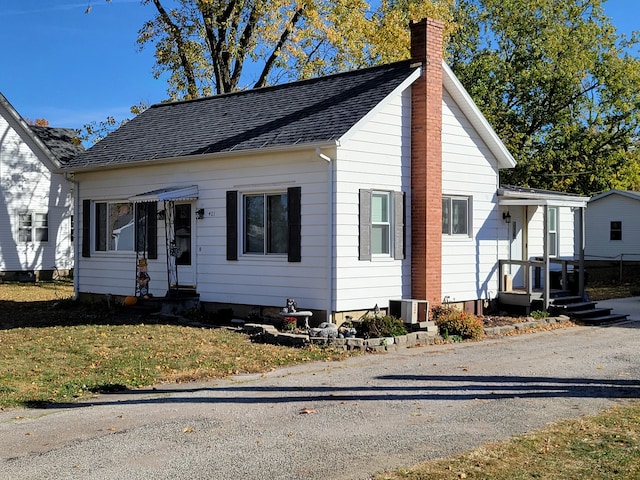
<point>343,420</point>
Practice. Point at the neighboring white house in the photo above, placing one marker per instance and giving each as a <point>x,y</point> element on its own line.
<point>613,226</point>
<point>342,192</point>
<point>36,201</point>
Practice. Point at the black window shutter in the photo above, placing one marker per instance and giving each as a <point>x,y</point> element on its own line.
<point>232,225</point>
<point>365,225</point>
<point>152,230</point>
<point>398,226</point>
<point>86,228</point>
<point>294,196</point>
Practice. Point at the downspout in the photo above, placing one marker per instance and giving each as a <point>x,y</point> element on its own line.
<point>76,241</point>
<point>330,231</point>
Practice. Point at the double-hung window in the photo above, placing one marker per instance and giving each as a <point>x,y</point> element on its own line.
<point>33,227</point>
<point>552,230</point>
<point>381,225</point>
<point>456,215</point>
<point>615,232</point>
<point>114,226</point>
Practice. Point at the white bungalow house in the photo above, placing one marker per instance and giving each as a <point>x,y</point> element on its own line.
<point>36,200</point>
<point>341,192</point>
<point>613,226</point>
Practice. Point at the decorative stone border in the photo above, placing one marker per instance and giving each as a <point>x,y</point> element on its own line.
<point>270,334</point>
<point>529,324</point>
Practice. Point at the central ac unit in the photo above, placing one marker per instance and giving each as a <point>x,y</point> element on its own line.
<point>410,311</point>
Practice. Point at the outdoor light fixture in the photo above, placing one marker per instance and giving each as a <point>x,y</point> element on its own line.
<point>506,216</point>
<point>200,213</point>
<point>161,215</point>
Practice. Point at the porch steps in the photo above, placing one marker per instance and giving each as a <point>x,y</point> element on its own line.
<point>139,312</point>
<point>584,312</point>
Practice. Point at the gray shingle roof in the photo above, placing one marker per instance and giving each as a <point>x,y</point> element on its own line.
<point>314,111</point>
<point>63,143</point>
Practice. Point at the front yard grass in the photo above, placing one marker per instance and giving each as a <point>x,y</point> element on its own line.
<point>69,351</point>
<point>605,446</point>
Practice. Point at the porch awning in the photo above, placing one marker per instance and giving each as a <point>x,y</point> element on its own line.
<point>510,195</point>
<point>173,194</point>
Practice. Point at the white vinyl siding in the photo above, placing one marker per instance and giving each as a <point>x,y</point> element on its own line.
<point>264,280</point>
<point>376,158</point>
<point>470,171</point>
<point>615,207</point>
<point>28,186</point>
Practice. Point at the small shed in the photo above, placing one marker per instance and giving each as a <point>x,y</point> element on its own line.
<point>613,226</point>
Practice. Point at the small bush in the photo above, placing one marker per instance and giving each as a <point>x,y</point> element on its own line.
<point>539,314</point>
<point>387,326</point>
<point>457,323</point>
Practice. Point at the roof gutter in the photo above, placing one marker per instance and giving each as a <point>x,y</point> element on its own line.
<point>116,164</point>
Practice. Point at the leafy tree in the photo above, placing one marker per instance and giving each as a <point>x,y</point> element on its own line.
<point>95,131</point>
<point>206,45</point>
<point>560,87</point>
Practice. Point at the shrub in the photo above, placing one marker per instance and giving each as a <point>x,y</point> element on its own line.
<point>539,314</point>
<point>456,323</point>
<point>387,326</point>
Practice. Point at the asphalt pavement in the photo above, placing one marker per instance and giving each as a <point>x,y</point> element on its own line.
<point>333,420</point>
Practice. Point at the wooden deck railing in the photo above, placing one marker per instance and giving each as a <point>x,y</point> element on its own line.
<point>533,274</point>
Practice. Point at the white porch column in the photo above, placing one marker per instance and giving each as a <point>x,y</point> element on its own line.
<point>546,276</point>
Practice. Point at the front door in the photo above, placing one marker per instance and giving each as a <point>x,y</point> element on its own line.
<point>185,244</point>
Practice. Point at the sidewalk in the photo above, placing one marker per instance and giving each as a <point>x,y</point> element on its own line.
<point>629,306</point>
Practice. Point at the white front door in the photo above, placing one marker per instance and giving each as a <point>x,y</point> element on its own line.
<point>516,245</point>
<point>185,244</point>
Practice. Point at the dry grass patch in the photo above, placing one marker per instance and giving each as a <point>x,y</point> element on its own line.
<point>606,446</point>
<point>54,350</point>
<point>60,364</point>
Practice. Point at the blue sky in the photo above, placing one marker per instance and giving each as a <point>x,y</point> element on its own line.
<point>70,68</point>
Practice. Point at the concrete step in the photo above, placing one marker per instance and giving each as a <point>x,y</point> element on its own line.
<point>601,320</point>
<point>569,307</point>
<point>589,313</point>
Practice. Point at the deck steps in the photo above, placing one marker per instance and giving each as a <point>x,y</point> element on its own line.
<point>584,312</point>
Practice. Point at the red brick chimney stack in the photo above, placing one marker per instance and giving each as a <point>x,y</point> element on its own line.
<point>426,162</point>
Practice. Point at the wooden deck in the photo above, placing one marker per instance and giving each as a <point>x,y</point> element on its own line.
<point>540,283</point>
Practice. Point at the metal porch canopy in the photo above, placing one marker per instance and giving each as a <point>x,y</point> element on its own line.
<point>169,194</point>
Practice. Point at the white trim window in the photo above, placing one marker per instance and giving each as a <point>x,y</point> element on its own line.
<point>552,230</point>
<point>456,215</point>
<point>114,226</point>
<point>381,225</point>
<point>33,227</point>
<point>266,229</point>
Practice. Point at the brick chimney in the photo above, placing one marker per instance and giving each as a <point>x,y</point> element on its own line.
<point>426,162</point>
